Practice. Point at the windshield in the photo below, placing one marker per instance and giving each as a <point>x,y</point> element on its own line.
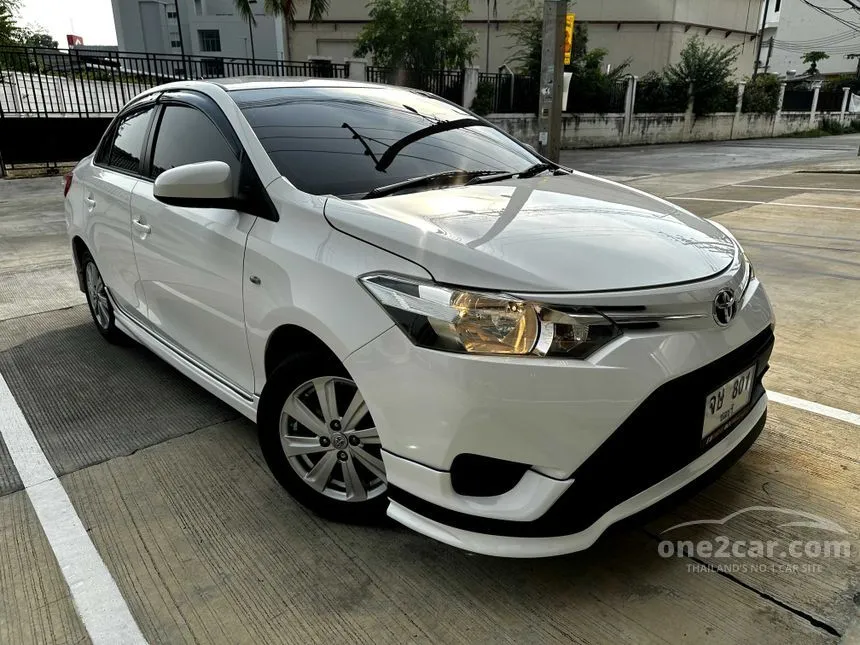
<point>346,141</point>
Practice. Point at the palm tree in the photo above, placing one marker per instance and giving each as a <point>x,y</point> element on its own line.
<point>495,15</point>
<point>285,8</point>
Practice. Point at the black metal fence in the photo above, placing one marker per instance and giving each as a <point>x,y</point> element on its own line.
<point>830,101</point>
<point>512,94</point>
<point>598,99</point>
<point>47,82</point>
<point>447,83</point>
<point>797,101</point>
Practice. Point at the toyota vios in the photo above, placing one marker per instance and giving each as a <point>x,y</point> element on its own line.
<point>422,315</point>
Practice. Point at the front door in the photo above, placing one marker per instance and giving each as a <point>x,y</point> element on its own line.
<point>191,260</point>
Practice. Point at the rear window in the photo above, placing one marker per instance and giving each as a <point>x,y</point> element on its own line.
<point>329,140</point>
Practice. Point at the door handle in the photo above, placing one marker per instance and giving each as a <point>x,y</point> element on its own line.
<point>91,203</point>
<point>142,228</point>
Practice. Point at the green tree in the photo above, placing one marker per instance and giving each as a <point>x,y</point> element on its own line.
<point>417,35</point>
<point>812,59</point>
<point>36,38</point>
<point>708,69</point>
<point>8,28</point>
<point>762,94</point>
<point>592,89</point>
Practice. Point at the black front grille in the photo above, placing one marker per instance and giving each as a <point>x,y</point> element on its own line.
<point>661,436</point>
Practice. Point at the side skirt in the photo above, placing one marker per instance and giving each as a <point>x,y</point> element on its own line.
<point>244,403</point>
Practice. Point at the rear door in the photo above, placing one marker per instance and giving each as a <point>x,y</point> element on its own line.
<point>191,260</point>
<point>107,190</point>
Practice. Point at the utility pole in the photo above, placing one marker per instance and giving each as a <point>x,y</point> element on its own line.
<point>769,52</point>
<point>551,79</point>
<point>181,40</point>
<point>761,38</point>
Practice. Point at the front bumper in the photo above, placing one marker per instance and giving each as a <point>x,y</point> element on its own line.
<point>684,482</point>
<point>600,439</point>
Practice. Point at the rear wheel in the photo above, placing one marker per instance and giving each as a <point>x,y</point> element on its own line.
<point>99,303</point>
<point>320,441</point>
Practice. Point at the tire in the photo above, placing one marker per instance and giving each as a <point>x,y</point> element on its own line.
<point>100,306</point>
<point>334,467</point>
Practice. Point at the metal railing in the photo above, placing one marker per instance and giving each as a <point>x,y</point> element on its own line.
<point>447,83</point>
<point>797,101</point>
<point>512,93</point>
<point>51,82</point>
<point>599,99</point>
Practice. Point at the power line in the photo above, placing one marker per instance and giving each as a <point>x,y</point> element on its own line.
<point>829,14</point>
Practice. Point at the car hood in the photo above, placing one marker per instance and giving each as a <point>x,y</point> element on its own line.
<point>568,233</point>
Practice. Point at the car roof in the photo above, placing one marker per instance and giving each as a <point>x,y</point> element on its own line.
<point>266,82</point>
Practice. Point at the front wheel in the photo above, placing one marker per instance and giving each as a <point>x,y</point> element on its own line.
<point>320,441</point>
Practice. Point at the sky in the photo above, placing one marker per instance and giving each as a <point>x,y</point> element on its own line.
<point>90,19</point>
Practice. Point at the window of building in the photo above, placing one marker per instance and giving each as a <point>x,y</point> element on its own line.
<point>128,142</point>
<point>171,15</point>
<point>778,3</point>
<point>198,7</point>
<point>176,43</point>
<point>210,40</point>
<point>187,136</point>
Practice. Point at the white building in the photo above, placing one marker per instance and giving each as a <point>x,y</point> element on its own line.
<point>651,33</point>
<point>797,28</point>
<point>209,28</point>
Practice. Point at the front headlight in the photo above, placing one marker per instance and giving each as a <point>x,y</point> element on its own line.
<point>454,320</point>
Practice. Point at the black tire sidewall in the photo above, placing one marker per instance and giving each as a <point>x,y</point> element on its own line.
<point>111,332</point>
<point>291,373</point>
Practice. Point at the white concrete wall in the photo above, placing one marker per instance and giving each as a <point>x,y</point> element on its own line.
<point>802,29</point>
<point>606,130</point>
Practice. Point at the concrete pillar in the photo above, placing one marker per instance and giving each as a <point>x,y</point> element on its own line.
<point>739,108</point>
<point>630,104</point>
<point>471,76</point>
<point>357,69</point>
<point>845,96</point>
<point>688,117</point>
<point>778,114</point>
<point>816,90</point>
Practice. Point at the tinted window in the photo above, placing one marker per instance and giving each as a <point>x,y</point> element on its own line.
<point>331,140</point>
<point>186,135</point>
<point>128,141</point>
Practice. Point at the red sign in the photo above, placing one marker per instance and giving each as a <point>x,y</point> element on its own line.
<point>74,41</point>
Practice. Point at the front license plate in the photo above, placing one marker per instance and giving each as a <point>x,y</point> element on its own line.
<point>725,402</point>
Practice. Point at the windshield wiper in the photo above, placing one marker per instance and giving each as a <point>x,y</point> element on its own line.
<point>531,171</point>
<point>447,177</point>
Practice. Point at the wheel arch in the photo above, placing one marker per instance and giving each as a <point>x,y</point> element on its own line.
<point>79,248</point>
<point>289,339</point>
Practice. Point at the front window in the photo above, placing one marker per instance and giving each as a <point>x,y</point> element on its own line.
<point>347,141</point>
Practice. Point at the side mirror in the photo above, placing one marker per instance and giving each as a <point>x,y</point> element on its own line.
<point>207,184</point>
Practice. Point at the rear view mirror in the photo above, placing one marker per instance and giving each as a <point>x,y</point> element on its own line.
<point>207,184</point>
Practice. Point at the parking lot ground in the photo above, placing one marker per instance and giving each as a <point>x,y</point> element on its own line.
<point>204,546</point>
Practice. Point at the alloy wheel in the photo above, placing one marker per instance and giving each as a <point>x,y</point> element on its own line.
<point>98,296</point>
<point>330,440</point>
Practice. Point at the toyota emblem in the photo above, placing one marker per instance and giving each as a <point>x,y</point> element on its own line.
<point>725,307</point>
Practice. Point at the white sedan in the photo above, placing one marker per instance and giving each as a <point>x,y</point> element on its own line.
<point>423,316</point>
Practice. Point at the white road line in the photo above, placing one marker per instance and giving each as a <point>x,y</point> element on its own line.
<point>817,408</point>
<point>809,188</point>
<point>98,601</point>
<point>746,201</point>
